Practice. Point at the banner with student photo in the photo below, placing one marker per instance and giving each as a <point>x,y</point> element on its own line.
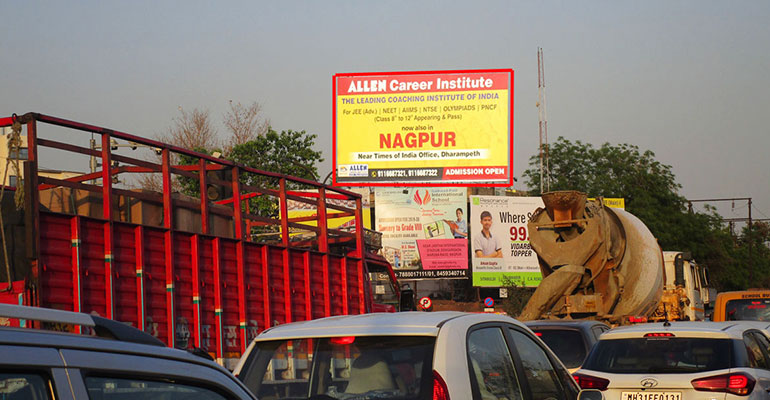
<point>500,248</point>
<point>424,231</point>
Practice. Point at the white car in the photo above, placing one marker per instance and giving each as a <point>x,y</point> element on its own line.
<point>680,361</point>
<point>407,355</point>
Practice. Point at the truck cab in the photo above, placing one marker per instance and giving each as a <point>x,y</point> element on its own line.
<point>688,281</point>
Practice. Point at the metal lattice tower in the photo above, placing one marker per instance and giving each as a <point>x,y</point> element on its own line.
<point>542,113</point>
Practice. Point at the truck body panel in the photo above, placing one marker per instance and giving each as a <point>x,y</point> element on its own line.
<point>192,271</point>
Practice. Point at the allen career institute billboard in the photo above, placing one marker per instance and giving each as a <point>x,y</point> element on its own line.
<point>423,128</point>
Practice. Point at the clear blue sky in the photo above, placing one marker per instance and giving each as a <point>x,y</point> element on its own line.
<point>685,79</point>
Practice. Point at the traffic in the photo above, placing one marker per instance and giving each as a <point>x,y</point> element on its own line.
<point>217,301</point>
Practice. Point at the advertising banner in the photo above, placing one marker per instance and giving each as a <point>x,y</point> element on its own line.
<point>500,246</point>
<point>424,231</point>
<point>614,202</point>
<point>423,128</point>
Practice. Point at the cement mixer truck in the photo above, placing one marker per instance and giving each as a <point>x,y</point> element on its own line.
<point>604,263</point>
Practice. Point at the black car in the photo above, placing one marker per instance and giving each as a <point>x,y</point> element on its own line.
<point>569,340</point>
<point>117,362</point>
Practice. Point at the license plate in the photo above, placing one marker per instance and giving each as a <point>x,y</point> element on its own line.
<point>651,395</point>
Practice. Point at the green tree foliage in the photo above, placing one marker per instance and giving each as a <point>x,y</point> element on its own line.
<point>757,273</point>
<point>288,153</point>
<point>518,296</point>
<point>651,193</point>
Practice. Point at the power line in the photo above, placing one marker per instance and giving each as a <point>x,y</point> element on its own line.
<point>749,220</point>
<point>759,211</point>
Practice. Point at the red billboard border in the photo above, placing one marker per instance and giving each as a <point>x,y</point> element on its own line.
<point>434,184</point>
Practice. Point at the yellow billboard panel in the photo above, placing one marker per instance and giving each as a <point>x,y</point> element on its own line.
<point>613,202</point>
<point>416,128</point>
<point>304,211</point>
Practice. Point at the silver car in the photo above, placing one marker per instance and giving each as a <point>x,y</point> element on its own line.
<point>405,356</point>
<point>680,361</point>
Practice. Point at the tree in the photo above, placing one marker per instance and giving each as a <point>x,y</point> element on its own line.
<point>287,153</point>
<point>191,130</point>
<point>651,193</point>
<point>252,143</point>
<point>756,271</point>
<point>244,123</point>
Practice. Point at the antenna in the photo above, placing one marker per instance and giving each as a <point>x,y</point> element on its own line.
<point>542,113</point>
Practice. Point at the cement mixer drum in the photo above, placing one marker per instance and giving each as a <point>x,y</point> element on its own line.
<point>596,261</point>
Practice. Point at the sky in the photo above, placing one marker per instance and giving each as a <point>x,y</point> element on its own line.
<point>687,80</point>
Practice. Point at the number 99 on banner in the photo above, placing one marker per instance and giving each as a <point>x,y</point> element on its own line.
<point>519,234</point>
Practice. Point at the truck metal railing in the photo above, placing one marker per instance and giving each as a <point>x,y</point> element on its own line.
<point>206,207</point>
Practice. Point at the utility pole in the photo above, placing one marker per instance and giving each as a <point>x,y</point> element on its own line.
<point>542,113</point>
<point>751,244</point>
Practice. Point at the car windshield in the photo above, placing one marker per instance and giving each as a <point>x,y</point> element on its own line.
<point>349,368</point>
<point>566,343</point>
<point>660,355</point>
<point>748,310</point>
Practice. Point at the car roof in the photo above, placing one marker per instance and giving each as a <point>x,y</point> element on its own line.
<point>564,324</point>
<point>64,340</point>
<point>705,329</point>
<point>414,323</point>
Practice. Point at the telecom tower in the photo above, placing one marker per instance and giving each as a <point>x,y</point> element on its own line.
<point>545,172</point>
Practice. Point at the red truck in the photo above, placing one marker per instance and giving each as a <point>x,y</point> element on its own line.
<point>197,270</point>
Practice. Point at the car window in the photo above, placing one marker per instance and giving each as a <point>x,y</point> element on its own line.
<point>538,370</point>
<point>382,367</point>
<point>764,343</point>
<point>567,344</point>
<point>598,330</point>
<point>112,388</point>
<point>491,366</point>
<point>747,310</point>
<point>22,386</point>
<point>756,356</point>
<point>660,355</point>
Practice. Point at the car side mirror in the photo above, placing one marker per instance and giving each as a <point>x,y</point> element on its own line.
<point>407,300</point>
<point>590,394</point>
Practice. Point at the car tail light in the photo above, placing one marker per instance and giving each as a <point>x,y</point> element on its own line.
<point>738,383</point>
<point>591,382</point>
<point>440,390</point>
<point>343,340</point>
<point>659,334</point>
<point>637,320</point>
<point>538,334</point>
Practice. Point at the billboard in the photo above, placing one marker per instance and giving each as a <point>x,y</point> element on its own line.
<point>424,231</point>
<point>440,128</point>
<point>500,241</point>
<point>613,202</point>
